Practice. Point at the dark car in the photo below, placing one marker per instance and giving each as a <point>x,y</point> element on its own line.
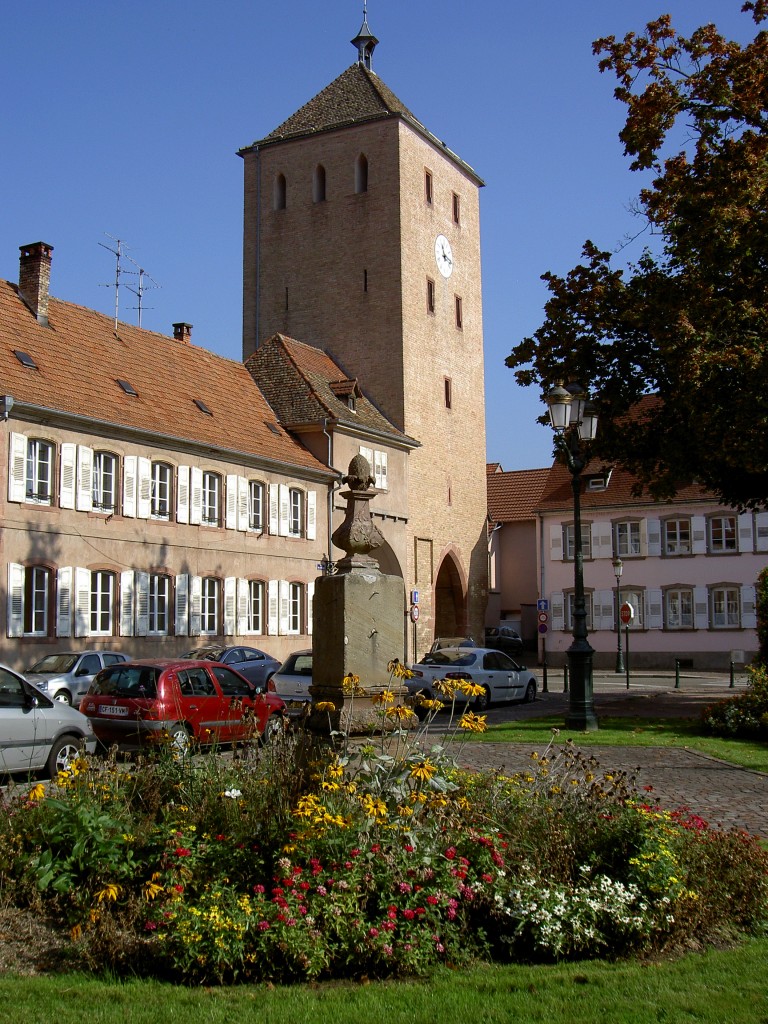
<point>178,701</point>
<point>504,638</point>
<point>256,665</point>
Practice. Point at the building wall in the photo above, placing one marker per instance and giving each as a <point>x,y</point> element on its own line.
<point>128,546</point>
<point>516,591</point>
<point>676,596</point>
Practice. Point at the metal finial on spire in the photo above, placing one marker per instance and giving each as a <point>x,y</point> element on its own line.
<point>365,41</point>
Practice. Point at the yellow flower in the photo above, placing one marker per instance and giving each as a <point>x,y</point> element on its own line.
<point>325,705</point>
<point>37,792</point>
<point>335,770</point>
<point>350,684</point>
<point>470,689</point>
<point>472,722</point>
<point>109,892</point>
<point>399,671</point>
<point>431,704</point>
<point>75,932</point>
<point>385,697</point>
<point>423,771</point>
<point>400,713</point>
<point>374,807</point>
<point>151,890</point>
<point>446,686</point>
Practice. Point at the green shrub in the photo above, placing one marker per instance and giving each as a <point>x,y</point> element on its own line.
<point>745,714</point>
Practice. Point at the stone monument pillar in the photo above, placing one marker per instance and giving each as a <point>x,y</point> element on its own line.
<point>357,619</point>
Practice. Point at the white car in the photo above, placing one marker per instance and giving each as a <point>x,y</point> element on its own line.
<point>36,732</point>
<point>293,680</point>
<point>68,676</point>
<point>502,678</point>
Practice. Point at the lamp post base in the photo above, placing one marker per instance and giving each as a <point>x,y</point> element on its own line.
<point>581,711</point>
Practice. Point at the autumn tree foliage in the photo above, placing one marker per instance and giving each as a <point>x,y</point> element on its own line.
<point>689,321</point>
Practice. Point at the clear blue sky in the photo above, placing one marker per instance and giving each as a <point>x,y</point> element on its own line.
<point>123,119</point>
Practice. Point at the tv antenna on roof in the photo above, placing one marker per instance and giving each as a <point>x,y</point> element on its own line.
<point>119,255</point>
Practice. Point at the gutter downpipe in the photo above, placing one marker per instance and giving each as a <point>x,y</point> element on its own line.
<point>332,488</point>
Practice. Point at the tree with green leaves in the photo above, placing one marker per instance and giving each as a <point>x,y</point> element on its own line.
<point>688,322</point>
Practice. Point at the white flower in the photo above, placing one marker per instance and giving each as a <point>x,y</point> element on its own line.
<point>232,794</point>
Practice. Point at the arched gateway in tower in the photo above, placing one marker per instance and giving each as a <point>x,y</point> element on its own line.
<point>375,259</point>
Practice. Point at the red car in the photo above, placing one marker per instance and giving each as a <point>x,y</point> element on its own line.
<point>181,701</point>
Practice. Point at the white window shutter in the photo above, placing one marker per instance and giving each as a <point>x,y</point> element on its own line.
<point>144,488</point>
<point>230,606</point>
<point>230,519</point>
<point>383,470</point>
<point>602,545</point>
<point>367,453</point>
<point>84,478</point>
<point>700,607</point>
<point>310,602</point>
<point>126,602</point>
<point>272,608</point>
<point>182,603</point>
<point>17,468</point>
<point>16,575</point>
<point>129,486</point>
<point>377,468</point>
<point>64,602</point>
<point>699,531</point>
<point>654,609</point>
<point>242,504</point>
<point>195,603</point>
<point>182,497</point>
<point>761,531</point>
<point>142,603</point>
<point>557,605</point>
<point>748,611</point>
<point>274,509</point>
<point>653,527</point>
<point>311,515</point>
<point>82,602</point>
<point>284,596</point>
<point>196,495</point>
<point>603,609</point>
<point>67,475</point>
<point>643,531</point>
<point>243,593</point>
<point>746,541</point>
<point>556,542</point>
<point>285,509</point>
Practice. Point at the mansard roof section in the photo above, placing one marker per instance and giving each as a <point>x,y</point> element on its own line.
<point>137,381</point>
<point>304,385</point>
<point>356,96</point>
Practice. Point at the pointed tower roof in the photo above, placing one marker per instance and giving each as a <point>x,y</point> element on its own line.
<point>365,41</point>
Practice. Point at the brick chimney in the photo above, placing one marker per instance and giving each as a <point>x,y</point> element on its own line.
<point>183,332</point>
<point>35,278</point>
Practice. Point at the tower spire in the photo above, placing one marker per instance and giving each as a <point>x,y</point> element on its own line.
<point>365,41</point>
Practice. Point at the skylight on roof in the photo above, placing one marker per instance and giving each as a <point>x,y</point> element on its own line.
<point>127,387</point>
<point>202,406</point>
<point>25,359</point>
<point>274,428</point>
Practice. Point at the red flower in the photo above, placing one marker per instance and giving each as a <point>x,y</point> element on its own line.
<point>433,900</point>
<point>450,853</point>
<point>182,851</point>
<point>409,914</point>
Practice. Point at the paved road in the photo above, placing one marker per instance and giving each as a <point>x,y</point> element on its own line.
<point>724,794</point>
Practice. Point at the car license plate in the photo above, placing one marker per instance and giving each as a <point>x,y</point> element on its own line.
<point>112,709</point>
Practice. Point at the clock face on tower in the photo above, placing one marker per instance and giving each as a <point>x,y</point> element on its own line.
<point>443,255</point>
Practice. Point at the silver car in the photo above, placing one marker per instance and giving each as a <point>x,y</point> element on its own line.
<point>38,733</point>
<point>293,680</point>
<point>67,677</point>
<point>501,678</point>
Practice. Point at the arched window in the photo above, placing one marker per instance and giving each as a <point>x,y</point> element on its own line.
<point>318,185</point>
<point>280,192</point>
<point>361,174</point>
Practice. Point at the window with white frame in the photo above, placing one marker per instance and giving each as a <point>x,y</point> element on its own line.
<point>29,600</point>
<point>102,603</point>
<point>636,599</point>
<point>378,462</point>
<point>569,541</point>
<point>255,611</point>
<point>570,602</point>
<point>160,495</point>
<point>721,531</point>
<point>159,604</point>
<point>104,482</point>
<point>295,596</point>
<point>296,512</point>
<point>209,605</point>
<point>39,478</point>
<point>724,607</point>
<point>627,539</point>
<point>255,505</point>
<point>678,608</point>
<point>677,537</point>
<point>211,499</point>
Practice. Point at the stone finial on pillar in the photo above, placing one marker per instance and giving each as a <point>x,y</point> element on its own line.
<point>358,535</point>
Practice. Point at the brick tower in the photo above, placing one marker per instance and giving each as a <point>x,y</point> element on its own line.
<point>362,237</point>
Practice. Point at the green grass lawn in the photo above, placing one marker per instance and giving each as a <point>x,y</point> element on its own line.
<point>635,732</point>
<point>716,987</point>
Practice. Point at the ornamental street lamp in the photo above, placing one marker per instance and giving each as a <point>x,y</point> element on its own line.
<point>574,421</point>
<point>618,568</point>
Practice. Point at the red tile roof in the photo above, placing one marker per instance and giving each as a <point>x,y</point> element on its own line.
<point>79,359</point>
<point>558,492</point>
<point>515,495</point>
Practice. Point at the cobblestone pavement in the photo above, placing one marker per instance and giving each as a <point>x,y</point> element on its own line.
<point>725,795</point>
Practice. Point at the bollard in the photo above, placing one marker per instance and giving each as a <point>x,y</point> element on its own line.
<point>733,681</point>
<point>677,673</point>
<point>565,679</point>
<point>544,688</point>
